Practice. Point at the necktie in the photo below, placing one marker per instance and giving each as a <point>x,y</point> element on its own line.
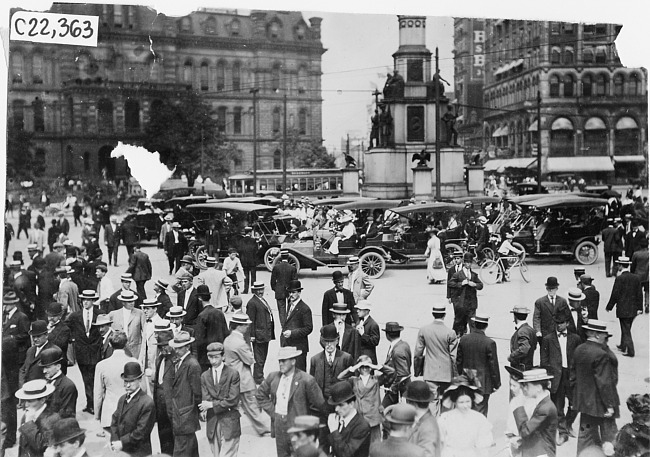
<point>5,317</point>
<point>87,322</point>
<point>148,320</point>
<point>216,377</point>
<point>553,302</point>
<point>341,425</point>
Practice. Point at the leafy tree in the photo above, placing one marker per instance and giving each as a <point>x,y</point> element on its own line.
<point>180,128</point>
<point>307,154</point>
<point>21,162</point>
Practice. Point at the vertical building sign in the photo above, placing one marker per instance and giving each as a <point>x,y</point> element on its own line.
<point>478,51</point>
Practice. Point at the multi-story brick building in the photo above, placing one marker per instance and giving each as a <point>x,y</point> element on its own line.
<point>80,101</point>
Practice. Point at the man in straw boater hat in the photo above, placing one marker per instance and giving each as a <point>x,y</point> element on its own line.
<point>31,369</point>
<point>425,432</point>
<point>400,419</point>
<point>129,320</point>
<point>149,344</point>
<point>478,352</point>
<point>126,279</point>
<point>537,430</point>
<point>627,297</point>
<point>594,376</point>
<point>64,398</point>
<point>349,431</point>
<point>213,278</point>
<point>38,418</point>
<point>184,387</point>
<point>286,394</point>
<point>304,436</point>
<point>358,281</point>
<point>281,275</point>
<point>523,342</point>
<point>262,329</point>
<point>161,379</point>
<point>210,327</point>
<point>134,417</point>
<point>175,245</point>
<point>348,336</point>
<point>435,355</point>
<point>238,356</point>
<point>399,359</point>
<point>160,289</point>
<point>220,386</point>
<point>338,294</point>
<point>298,324</point>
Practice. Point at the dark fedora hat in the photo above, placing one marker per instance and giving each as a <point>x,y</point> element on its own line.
<point>203,291</point>
<point>552,283</point>
<point>294,285</point>
<point>393,327</point>
<point>164,337</point>
<point>132,371</point>
<point>337,276</point>
<point>329,333</point>
<point>562,315</point>
<point>65,430</point>
<point>419,391</point>
<point>54,309</point>
<point>50,356</point>
<point>38,328</point>
<point>340,392</point>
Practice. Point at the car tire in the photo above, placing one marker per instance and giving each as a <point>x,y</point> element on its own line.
<point>269,257</point>
<point>586,253</point>
<point>373,264</point>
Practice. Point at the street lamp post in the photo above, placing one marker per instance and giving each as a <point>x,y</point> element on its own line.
<point>284,147</point>
<point>254,91</point>
<point>539,142</point>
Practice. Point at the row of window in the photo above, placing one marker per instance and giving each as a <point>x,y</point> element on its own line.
<point>566,55</point>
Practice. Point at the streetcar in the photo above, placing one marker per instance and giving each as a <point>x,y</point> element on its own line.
<point>314,182</point>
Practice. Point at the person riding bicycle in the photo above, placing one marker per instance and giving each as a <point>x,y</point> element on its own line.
<point>507,249</point>
<point>481,236</point>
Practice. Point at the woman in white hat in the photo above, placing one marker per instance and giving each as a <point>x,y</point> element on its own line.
<point>345,233</point>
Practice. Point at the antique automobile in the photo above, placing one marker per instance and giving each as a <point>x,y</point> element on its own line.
<point>564,225</point>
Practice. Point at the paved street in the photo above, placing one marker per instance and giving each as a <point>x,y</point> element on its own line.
<point>403,294</point>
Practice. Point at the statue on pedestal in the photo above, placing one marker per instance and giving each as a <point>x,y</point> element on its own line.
<point>385,127</point>
<point>374,130</point>
<point>449,118</point>
<point>394,87</point>
<point>439,81</point>
<point>422,157</point>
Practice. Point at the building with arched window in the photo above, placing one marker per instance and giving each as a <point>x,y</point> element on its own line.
<point>79,102</point>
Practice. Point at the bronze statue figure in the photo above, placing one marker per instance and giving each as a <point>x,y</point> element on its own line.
<point>449,118</point>
<point>374,130</point>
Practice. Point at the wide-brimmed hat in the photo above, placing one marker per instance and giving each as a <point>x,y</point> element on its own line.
<point>345,218</point>
<point>339,308</point>
<point>471,384</point>
<point>624,260</point>
<point>176,225</point>
<point>363,304</point>
<point>181,339</point>
<point>163,338</point>
<point>38,328</point>
<point>10,298</point>
<point>595,325</point>
<point>126,277</point>
<point>176,311</point>
<point>33,247</point>
<point>419,391</point>
<point>50,356</point>
<point>328,333</point>
<point>337,276</point>
<point>132,371</point>
<point>54,309</point>
<point>353,260</point>
<point>305,423</point>
<point>257,286</point>
<point>575,294</point>
<point>102,319</point>
<point>400,413</point>
<point>551,283</point>
<point>536,374</point>
<point>149,303</point>
<point>393,327</point>
<point>127,296</point>
<point>65,430</point>
<point>162,284</point>
<point>480,319</point>
<point>240,319</point>
<point>288,352</point>
<point>520,310</point>
<point>187,259</point>
<point>340,392</point>
<point>88,295</point>
<point>37,388</point>
<point>169,217</point>
<point>294,285</point>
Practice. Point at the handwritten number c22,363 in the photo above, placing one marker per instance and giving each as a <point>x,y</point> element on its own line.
<point>64,24</point>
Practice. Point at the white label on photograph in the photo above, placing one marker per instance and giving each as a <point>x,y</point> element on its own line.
<point>73,29</point>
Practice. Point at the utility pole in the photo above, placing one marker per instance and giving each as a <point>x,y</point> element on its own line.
<point>202,175</point>
<point>284,147</point>
<point>539,142</point>
<point>254,91</point>
<point>437,93</point>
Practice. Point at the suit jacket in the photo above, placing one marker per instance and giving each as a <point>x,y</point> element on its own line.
<point>353,440</point>
<point>135,330</point>
<point>537,432</point>
<point>360,285</point>
<point>550,356</point>
<point>640,264</point>
<point>193,306</point>
<point>425,433</point>
<point>591,301</point>
<point>466,294</point>
<point>369,341</point>
<point>64,398</point>
<point>15,340</point>
<point>31,370</point>
<point>522,347</point>
<point>86,346</point>
<point>60,336</point>
<point>140,266</point>
<point>184,390</point>
<point>165,304</point>
<point>393,446</point>
<point>281,275</point>
<point>112,237</point>
<point>300,323</point>
<point>612,239</point>
<point>452,292</point>
<point>109,386</point>
<point>239,357</point>
<point>129,233</point>
<point>173,249</point>
<point>305,397</point>
<point>132,424</point>
<point>626,295</point>
<point>318,368</point>
<point>350,343</point>
<point>247,247</point>
<point>438,344</point>
<point>369,230</point>
<point>114,303</point>
<point>399,359</point>
<point>225,398</point>
<point>478,352</point>
<point>35,435</point>
<point>68,295</point>
<point>593,378</point>
<point>543,321</point>
<point>262,327</point>
<point>329,298</point>
<point>210,327</point>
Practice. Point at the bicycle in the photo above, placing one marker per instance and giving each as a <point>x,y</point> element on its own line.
<point>493,271</point>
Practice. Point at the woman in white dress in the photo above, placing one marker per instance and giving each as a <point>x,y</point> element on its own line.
<point>463,431</point>
<point>436,271</point>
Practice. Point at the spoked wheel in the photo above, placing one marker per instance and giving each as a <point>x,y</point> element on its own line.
<point>586,253</point>
<point>490,272</point>
<point>488,253</point>
<point>269,257</point>
<point>525,273</point>
<point>521,247</point>
<point>372,264</point>
<point>200,254</point>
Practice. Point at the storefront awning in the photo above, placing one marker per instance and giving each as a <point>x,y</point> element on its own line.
<point>579,164</point>
<point>595,123</point>
<point>629,159</point>
<point>562,123</point>
<point>499,165</point>
<point>497,132</point>
<point>533,127</point>
<point>505,131</point>
<point>626,123</point>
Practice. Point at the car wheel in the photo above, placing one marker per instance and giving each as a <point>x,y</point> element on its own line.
<point>373,264</point>
<point>586,253</point>
<point>269,257</point>
<point>200,254</point>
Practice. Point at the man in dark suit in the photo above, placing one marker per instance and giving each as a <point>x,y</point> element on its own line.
<point>140,268</point>
<point>184,389</point>
<point>477,352</point>
<point>220,387</point>
<point>31,369</point>
<point>126,279</point>
<point>545,308</point>
<point>213,239</point>
<point>58,332</point>
<point>556,355</point>
<point>466,282</point>
<point>612,245</point>
<point>640,268</point>
<point>129,234</point>
<point>368,331</point>
<point>160,289</point>
<point>210,327</point>
<point>163,376</point>
<point>262,329</point>
<point>248,247</point>
<point>298,324</point>
<point>188,300</point>
<point>175,246</point>
<point>401,418</point>
<point>593,378</point>
<point>592,296</point>
<point>286,394</point>
<point>338,294</point>
<point>578,312</point>
<point>281,275</point>
<point>134,417</point>
<point>455,267</point>
<point>64,398</point>
<point>349,431</point>
<point>368,230</point>
<point>399,359</point>
<point>112,236</point>
<point>523,342</point>
<point>348,335</point>
<point>627,296</point>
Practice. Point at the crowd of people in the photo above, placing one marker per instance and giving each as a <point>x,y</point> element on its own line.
<point>148,362</point>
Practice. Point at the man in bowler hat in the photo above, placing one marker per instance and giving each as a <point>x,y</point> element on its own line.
<point>349,431</point>
<point>399,359</point>
<point>338,294</point>
<point>298,324</point>
<point>281,275</point>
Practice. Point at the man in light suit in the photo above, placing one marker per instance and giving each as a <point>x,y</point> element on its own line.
<point>465,283</point>
<point>220,393</point>
<point>298,324</point>
<point>546,307</point>
<point>399,359</point>
<point>436,347</point>
<point>368,331</point>
<point>358,282</point>
<point>112,236</point>
<point>213,278</point>
<point>338,294</point>
<point>129,320</point>
<point>109,385</point>
<point>262,329</point>
<point>281,275</point>
<point>149,350</point>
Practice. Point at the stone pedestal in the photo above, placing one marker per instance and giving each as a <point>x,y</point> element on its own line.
<point>422,180</point>
<point>386,174</point>
<point>475,180</point>
<point>350,182</point>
